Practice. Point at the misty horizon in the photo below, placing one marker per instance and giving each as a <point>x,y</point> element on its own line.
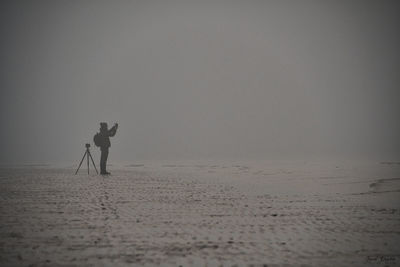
<point>250,79</point>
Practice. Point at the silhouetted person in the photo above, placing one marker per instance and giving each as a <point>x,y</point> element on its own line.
<point>105,144</point>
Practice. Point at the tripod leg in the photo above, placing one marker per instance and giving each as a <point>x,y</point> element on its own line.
<point>94,165</point>
<point>87,157</point>
<point>80,163</point>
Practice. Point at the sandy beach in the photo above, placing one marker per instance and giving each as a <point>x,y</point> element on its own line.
<point>237,133</point>
<point>202,214</point>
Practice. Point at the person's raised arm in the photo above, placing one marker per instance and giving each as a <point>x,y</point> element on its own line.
<point>113,130</point>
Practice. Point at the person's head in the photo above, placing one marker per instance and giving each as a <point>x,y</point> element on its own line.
<point>103,126</point>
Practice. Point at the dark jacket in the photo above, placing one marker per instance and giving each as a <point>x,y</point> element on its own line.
<point>105,136</point>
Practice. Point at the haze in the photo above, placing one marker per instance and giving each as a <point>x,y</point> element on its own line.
<point>205,79</point>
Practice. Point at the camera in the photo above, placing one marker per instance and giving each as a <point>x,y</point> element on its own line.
<point>87,145</point>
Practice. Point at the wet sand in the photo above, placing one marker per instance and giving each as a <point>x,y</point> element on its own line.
<point>197,214</point>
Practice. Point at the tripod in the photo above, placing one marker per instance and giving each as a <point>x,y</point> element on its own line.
<point>87,154</point>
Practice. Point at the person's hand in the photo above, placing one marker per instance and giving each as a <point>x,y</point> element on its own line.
<point>116,125</point>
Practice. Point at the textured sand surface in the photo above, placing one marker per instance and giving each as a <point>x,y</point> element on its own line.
<point>196,215</point>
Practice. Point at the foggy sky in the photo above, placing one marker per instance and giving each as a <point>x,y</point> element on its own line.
<point>200,79</point>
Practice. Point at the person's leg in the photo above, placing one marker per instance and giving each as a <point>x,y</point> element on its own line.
<point>103,160</point>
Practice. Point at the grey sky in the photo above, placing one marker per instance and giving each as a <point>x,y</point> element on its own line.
<point>200,79</point>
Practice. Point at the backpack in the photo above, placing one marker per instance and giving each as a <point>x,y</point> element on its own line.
<point>97,139</point>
